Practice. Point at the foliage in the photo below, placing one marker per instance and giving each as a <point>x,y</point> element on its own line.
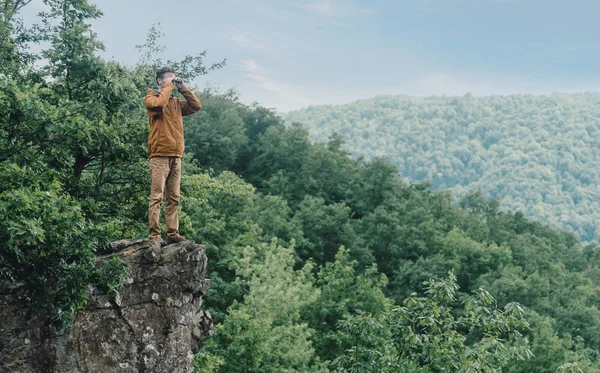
<point>345,290</point>
<point>425,335</point>
<point>264,333</point>
<point>300,237</point>
<point>44,248</point>
<point>73,165</point>
<point>538,154</point>
<point>413,233</point>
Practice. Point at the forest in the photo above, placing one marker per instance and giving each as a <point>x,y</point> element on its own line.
<point>537,154</point>
<point>319,262</point>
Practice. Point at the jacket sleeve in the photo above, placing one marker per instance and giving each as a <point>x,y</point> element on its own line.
<point>155,104</point>
<point>191,104</point>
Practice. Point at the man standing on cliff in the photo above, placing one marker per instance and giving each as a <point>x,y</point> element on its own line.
<point>165,149</point>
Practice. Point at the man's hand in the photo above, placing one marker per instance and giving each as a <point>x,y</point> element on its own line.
<point>179,84</point>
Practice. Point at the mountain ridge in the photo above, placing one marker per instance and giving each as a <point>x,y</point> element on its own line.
<point>537,153</point>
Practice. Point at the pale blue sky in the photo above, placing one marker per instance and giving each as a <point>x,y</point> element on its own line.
<point>287,54</point>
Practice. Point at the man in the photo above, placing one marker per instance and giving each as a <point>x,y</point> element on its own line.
<point>165,149</point>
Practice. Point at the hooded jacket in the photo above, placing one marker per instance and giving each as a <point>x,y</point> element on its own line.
<point>165,114</point>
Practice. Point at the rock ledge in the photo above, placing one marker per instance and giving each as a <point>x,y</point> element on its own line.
<point>155,324</point>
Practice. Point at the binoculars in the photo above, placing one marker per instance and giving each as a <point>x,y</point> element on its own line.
<point>177,80</point>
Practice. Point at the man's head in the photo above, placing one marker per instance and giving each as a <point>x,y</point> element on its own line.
<point>164,74</point>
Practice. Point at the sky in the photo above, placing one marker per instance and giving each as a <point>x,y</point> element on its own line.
<point>289,54</point>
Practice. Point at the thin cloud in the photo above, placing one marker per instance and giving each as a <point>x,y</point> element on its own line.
<point>445,84</point>
<point>262,78</point>
<point>244,40</point>
<point>435,5</point>
<point>299,11</point>
<point>280,12</point>
<point>458,84</point>
<point>337,9</point>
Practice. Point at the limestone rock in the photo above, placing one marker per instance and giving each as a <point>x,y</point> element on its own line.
<point>155,324</point>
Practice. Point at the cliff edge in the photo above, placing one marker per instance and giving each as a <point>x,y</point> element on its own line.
<point>154,324</point>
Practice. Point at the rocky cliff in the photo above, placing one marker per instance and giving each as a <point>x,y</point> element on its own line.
<point>155,323</point>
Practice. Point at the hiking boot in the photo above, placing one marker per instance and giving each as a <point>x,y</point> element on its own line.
<point>175,239</point>
<point>158,241</point>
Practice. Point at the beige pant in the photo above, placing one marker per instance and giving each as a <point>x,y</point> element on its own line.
<point>165,174</point>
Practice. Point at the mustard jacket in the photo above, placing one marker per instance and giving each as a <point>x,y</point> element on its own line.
<point>165,113</point>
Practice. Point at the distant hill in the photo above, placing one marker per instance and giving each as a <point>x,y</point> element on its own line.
<point>538,154</point>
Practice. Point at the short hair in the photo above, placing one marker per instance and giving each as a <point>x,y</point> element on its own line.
<point>163,70</point>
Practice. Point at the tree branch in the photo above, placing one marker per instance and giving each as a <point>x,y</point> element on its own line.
<point>19,4</point>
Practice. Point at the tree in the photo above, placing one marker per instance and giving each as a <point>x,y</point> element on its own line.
<point>427,337</point>
<point>265,333</point>
<point>538,154</point>
<point>72,155</point>
<point>216,146</point>
<point>46,250</point>
<point>325,228</point>
<point>345,290</point>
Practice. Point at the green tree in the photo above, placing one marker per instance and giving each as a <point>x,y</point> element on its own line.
<point>217,146</point>
<point>265,332</point>
<point>72,155</point>
<point>538,154</point>
<point>427,337</point>
<point>46,246</point>
<point>325,228</point>
<point>345,290</point>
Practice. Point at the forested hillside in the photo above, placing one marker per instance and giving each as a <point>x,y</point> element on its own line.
<point>537,154</point>
<point>318,262</point>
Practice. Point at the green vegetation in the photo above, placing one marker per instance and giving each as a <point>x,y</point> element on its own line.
<point>318,263</point>
<point>537,154</point>
<point>73,168</point>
